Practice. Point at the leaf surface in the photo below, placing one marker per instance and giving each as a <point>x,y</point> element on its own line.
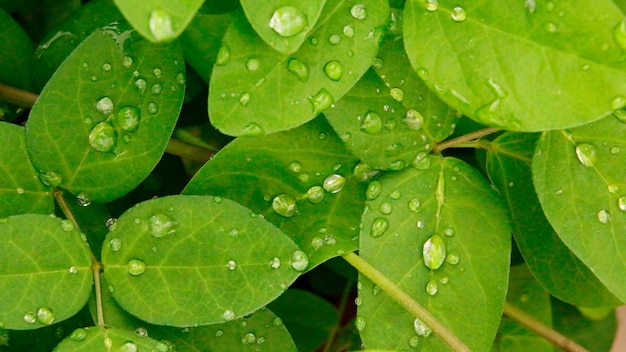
<point>596,335</point>
<point>291,167</point>
<point>256,90</point>
<point>45,270</point>
<point>442,235</point>
<point>95,339</point>
<point>187,260</point>
<point>515,65</point>
<point>103,120</point>
<point>509,166</point>
<point>579,178</point>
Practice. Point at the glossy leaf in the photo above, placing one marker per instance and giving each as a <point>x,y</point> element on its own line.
<point>515,65</point>
<point>508,163</point>
<point>45,270</point>
<point>159,20</point>
<point>96,339</point>
<point>292,166</point>
<point>256,90</point>
<point>283,24</point>
<point>103,120</point>
<point>443,236</point>
<point>579,178</point>
<point>21,192</point>
<point>210,258</point>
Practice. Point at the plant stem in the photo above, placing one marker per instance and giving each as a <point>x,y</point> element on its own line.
<point>17,96</point>
<point>406,301</point>
<point>464,138</point>
<point>541,329</point>
<point>332,335</point>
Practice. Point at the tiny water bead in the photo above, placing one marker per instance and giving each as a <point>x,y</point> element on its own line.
<point>161,26</point>
<point>334,39</point>
<point>359,323</point>
<point>127,61</point>
<point>160,225</point>
<point>603,216</point>
<point>414,205</point>
<point>153,108</point>
<point>359,12</point>
<point>253,64</point>
<point>421,329</point>
<point>228,315</point>
<point>458,14</point>
<point>432,287</point>
<point>315,194</point>
<point>363,172</point>
<point>333,70</point>
<point>431,5</point>
<point>223,55</point>
<point>128,346</point>
<point>288,21</point>
<point>83,200</point>
<point>453,259</point>
<point>379,227</point>
<point>50,178</point>
<point>397,94</point>
<point>621,203</point>
<point>136,267</point>
<point>45,315</point>
<point>30,318</point>
<point>434,251</point>
<point>141,84</point>
<point>295,166</point>
<point>298,68</point>
<point>586,154</point>
<point>231,265</point>
<point>348,31</point>
<point>244,99</point>
<point>156,88</point>
<point>252,129</point>
<point>334,183</point>
<point>285,205</point>
<point>128,118</point>
<point>371,122</point>
<point>275,263</point>
<point>106,67</point>
<point>78,335</point>
<point>373,190</point>
<point>103,137</point>
<point>105,105</point>
<point>248,338</point>
<point>414,120</point>
<point>66,225</point>
<point>299,260</point>
<point>386,208</point>
<point>421,161</point>
<point>321,101</point>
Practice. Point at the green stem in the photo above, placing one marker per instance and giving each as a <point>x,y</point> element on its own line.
<point>541,329</point>
<point>406,301</point>
<point>455,142</point>
<point>17,96</point>
<point>95,265</point>
<point>341,309</point>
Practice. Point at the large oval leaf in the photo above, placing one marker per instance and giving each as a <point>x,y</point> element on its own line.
<point>196,260</point>
<point>579,178</point>
<point>97,339</point>
<point>104,118</point>
<point>255,89</point>
<point>283,177</point>
<point>442,235</point>
<point>45,270</point>
<point>521,65</point>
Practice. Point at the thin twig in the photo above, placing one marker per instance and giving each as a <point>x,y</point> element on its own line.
<point>17,96</point>
<point>332,335</point>
<point>464,138</point>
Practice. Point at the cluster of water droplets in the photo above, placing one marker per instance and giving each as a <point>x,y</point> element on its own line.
<point>43,315</point>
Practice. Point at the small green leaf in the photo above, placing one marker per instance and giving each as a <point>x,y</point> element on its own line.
<point>21,190</point>
<point>301,181</point>
<point>508,164</point>
<point>595,335</point>
<point>210,259</point>
<point>579,178</point>
<point>514,64</point>
<point>45,268</point>
<point>159,20</point>
<point>284,25</point>
<point>97,339</point>
<point>451,201</point>
<point>103,120</point>
<point>256,90</point>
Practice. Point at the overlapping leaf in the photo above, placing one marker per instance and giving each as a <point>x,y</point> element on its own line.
<point>255,89</point>
<point>97,339</point>
<point>508,164</point>
<point>283,177</point>
<point>515,65</point>
<point>442,235</point>
<point>45,271</point>
<point>102,122</point>
<point>579,178</point>
<point>197,260</point>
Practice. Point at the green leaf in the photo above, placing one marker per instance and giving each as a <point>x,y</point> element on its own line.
<point>196,260</point>
<point>308,317</point>
<point>283,24</point>
<point>442,235</point>
<point>526,294</point>
<point>45,270</point>
<point>256,90</point>
<point>159,20</point>
<point>103,120</point>
<point>579,178</point>
<point>286,171</point>
<point>21,192</point>
<point>595,335</point>
<point>515,64</point>
<point>96,339</point>
<point>508,164</point>
<point>17,51</point>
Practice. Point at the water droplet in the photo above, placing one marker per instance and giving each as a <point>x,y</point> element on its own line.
<point>321,101</point>
<point>618,102</point>
<point>136,267</point>
<point>252,129</point>
<point>421,161</point>
<point>248,338</point>
<point>397,94</point>
<point>285,205</point>
<point>348,31</point>
<point>128,118</point>
<point>621,203</point>
<point>334,183</point>
<point>244,99</point>
<point>334,39</point>
<point>223,55</point>
<point>379,226</point>
<point>299,68</point>
<point>299,260</point>
<point>115,244</point>
<point>231,265</point>
<point>30,318</point>
<point>315,194</point>
<point>128,346</point>
<point>253,64</point>
<point>127,61</point>
<point>105,105</point>
<point>386,208</point>
<point>359,323</point>
<point>66,225</point>
<point>458,14</point>
<point>363,172</point>
<point>141,84</point>
<point>228,315</point>
<point>303,177</point>
<point>620,115</point>
<point>452,259</point>
<point>587,154</point>
<point>359,12</point>
<point>288,21</point>
<point>603,216</point>
<point>414,205</point>
<point>102,137</point>
<point>45,315</point>
<point>432,287</point>
<point>73,269</point>
<point>160,225</point>
<point>275,263</point>
<point>156,88</point>
<point>180,78</point>
<point>78,334</point>
<point>431,5</point>
<point>295,166</point>
<point>160,24</point>
<point>334,70</point>
<point>373,190</point>
<point>88,121</point>
<point>413,341</point>
<point>421,329</point>
<point>434,251</point>
<point>619,34</point>
<point>448,232</point>
<point>50,178</point>
<point>414,119</point>
<point>83,200</point>
<point>371,122</point>
<point>552,27</point>
<point>106,67</point>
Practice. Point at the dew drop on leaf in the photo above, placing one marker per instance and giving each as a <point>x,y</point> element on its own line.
<point>334,39</point>
<point>127,61</point>
<point>83,200</point>
<point>431,5</point>
<point>432,287</point>
<point>161,27</point>
<point>103,137</point>
<point>128,118</point>
<point>359,323</point>
<point>586,154</point>
<point>333,70</point>
<point>334,183</point>
<point>136,267</point>
<point>452,259</point>
<point>397,94</point>
<point>621,203</point>
<point>248,338</point>
<point>78,335</point>
<point>153,108</point>
<point>244,99</point>
<point>30,317</point>
<point>105,105</point>
<point>414,205</point>
<point>275,263</point>
<point>379,226</point>
<point>371,122</point>
<point>434,251</point>
<point>111,224</point>
<point>141,84</point>
<point>386,208</point>
<point>359,12</point>
<point>414,120</point>
<point>252,129</point>
<point>50,178</point>
<point>315,194</point>
<point>128,346</point>
<point>619,34</point>
<point>253,64</point>
<point>288,21</point>
<point>373,190</point>
<point>421,329</point>
<point>620,115</point>
<point>299,260</point>
<point>231,265</point>
<point>66,225</point>
<point>156,88</point>
<point>223,55</point>
<point>295,166</point>
<point>448,232</point>
<point>285,205</point>
<point>421,161</point>
<point>160,225</point>
<point>45,315</point>
<point>603,216</point>
<point>618,102</point>
<point>228,315</point>
<point>106,67</point>
<point>321,101</point>
<point>298,68</point>
<point>348,31</point>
